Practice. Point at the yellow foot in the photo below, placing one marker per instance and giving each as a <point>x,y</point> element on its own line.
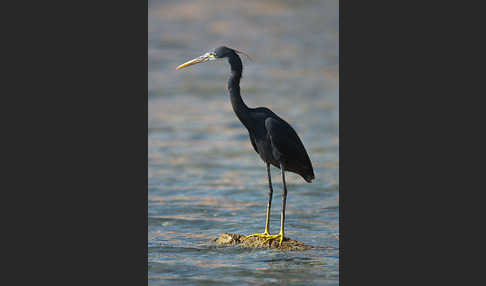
<point>268,237</point>
<point>275,236</point>
<point>264,235</point>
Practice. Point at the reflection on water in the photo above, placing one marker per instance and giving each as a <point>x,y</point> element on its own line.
<point>204,176</point>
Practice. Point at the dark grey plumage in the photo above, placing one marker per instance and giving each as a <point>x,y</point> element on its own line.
<point>272,137</point>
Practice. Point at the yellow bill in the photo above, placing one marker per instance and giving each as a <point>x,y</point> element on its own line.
<point>204,58</point>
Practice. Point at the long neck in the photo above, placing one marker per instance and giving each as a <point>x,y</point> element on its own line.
<point>239,107</point>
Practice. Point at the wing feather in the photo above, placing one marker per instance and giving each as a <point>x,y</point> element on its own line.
<point>288,145</point>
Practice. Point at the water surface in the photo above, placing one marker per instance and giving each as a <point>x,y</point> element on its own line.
<point>204,176</point>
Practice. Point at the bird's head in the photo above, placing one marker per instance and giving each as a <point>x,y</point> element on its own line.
<point>218,53</point>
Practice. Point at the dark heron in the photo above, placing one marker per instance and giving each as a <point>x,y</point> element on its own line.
<point>273,138</point>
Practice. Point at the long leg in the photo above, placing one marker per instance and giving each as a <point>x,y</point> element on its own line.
<point>284,203</point>
<point>269,206</point>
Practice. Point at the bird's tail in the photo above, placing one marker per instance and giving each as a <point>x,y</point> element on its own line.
<point>309,177</point>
